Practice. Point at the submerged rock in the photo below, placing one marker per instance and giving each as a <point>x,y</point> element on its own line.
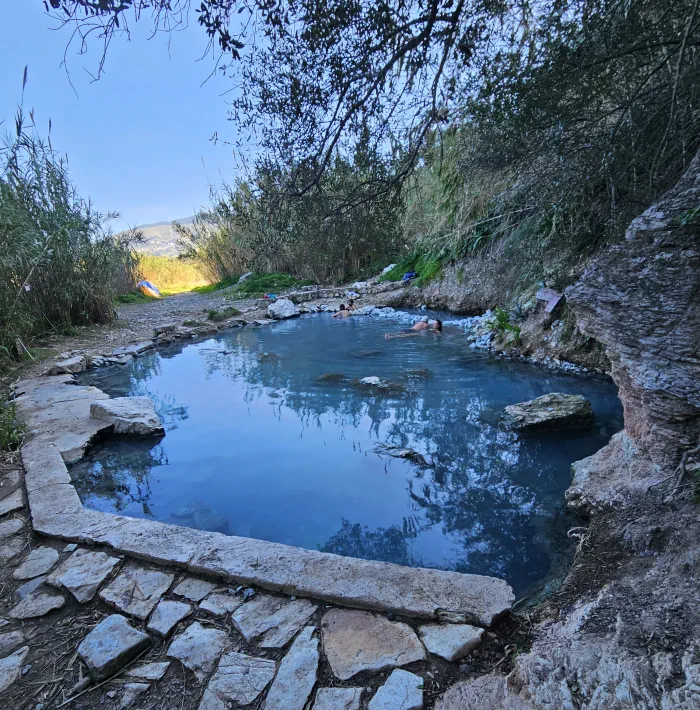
<point>135,416</point>
<point>330,377</point>
<point>379,383</point>
<point>550,412</point>
<point>282,308</point>
<point>398,452</point>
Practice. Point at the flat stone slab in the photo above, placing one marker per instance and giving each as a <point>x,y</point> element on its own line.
<point>111,645</point>
<point>166,616</point>
<point>338,699</point>
<point>135,416</point>
<point>136,590</point>
<point>39,561</point>
<point>83,573</point>
<point>199,649</point>
<point>11,667</point>
<point>131,693</point>
<point>28,587</point>
<point>356,641</point>
<point>402,691</point>
<point>8,528</point>
<point>9,641</point>
<point>11,548</point>
<point>240,679</point>
<point>221,604</point>
<point>194,589</point>
<point>38,603</point>
<point>12,502</point>
<point>297,674</point>
<point>272,621</point>
<point>70,365</point>
<point>451,641</point>
<point>149,671</point>
<point>550,412</point>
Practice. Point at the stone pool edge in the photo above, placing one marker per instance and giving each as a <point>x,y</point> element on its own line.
<point>56,511</point>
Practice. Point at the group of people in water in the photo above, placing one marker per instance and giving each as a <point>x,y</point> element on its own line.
<point>423,325</point>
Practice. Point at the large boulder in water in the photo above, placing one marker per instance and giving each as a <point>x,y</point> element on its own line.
<point>282,308</point>
<point>549,412</point>
<point>135,416</point>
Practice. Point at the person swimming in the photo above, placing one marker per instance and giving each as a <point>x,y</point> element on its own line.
<point>343,312</point>
<point>422,325</point>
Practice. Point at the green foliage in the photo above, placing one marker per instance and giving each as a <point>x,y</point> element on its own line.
<point>224,314</point>
<point>133,297</point>
<point>171,274</point>
<point>224,283</point>
<point>502,325</point>
<point>427,268</point>
<point>690,216</point>
<point>11,430</point>
<point>193,323</point>
<point>257,285</point>
<point>59,267</point>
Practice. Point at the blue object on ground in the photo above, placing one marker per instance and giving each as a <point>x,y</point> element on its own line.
<point>409,275</point>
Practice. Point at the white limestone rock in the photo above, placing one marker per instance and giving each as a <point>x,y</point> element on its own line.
<point>70,365</point>
<point>270,621</point>
<point>10,549</point>
<point>11,667</point>
<point>131,693</point>
<point>136,590</point>
<point>356,641</point>
<point>166,616</point>
<point>297,674</point>
<point>28,587</point>
<point>111,645</point>
<point>282,308</point>
<point>239,679</point>
<point>149,671</point>
<point>39,561</point>
<point>451,641</point>
<point>36,604</point>
<point>221,604</point>
<point>83,573</point>
<point>8,528</point>
<point>12,502</point>
<point>338,699</point>
<point>550,412</point>
<point>11,640</point>
<point>194,589</point>
<point>402,691</point>
<point>134,416</point>
<point>199,649</point>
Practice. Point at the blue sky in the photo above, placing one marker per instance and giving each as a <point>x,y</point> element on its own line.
<point>137,140</point>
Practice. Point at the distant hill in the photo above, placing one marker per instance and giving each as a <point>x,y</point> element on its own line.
<point>160,239</point>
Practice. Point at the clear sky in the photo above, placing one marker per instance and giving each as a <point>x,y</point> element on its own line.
<point>137,140</point>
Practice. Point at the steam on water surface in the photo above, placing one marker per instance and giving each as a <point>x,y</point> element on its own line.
<point>260,444</point>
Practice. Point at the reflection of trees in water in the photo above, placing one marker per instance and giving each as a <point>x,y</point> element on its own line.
<point>120,472</point>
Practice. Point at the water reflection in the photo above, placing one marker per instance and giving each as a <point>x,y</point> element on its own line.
<point>258,444</point>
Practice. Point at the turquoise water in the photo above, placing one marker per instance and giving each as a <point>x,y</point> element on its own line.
<point>257,446</point>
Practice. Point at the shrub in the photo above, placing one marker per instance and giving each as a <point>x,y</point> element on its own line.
<point>502,325</point>
<point>224,314</point>
<point>11,430</point>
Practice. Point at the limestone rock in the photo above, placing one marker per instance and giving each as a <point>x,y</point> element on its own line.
<point>451,641</point>
<point>338,699</point>
<point>221,604</point>
<point>131,692</point>
<point>10,640</point>
<point>199,648</point>
<point>240,679</point>
<point>11,548</point>
<point>485,693</point>
<point>136,590</point>
<point>82,573</point>
<point>149,671</point>
<point>39,561</point>
<point>166,616</point>
<point>28,587</point>
<point>297,674</point>
<point>194,589</point>
<point>282,308</point>
<point>272,621</point>
<point>356,641</point>
<point>111,645</point>
<point>70,365</point>
<point>550,412</point>
<point>402,691</point>
<point>8,528</point>
<point>37,604</point>
<point>135,416</point>
<point>15,501</point>
<point>210,701</point>
<point>11,667</point>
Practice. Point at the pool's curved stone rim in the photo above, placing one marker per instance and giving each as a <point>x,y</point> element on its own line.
<point>57,511</point>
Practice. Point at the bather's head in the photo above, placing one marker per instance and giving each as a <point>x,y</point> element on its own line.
<point>342,307</point>
<point>437,325</point>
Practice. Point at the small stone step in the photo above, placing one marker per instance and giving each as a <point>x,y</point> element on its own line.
<point>111,645</point>
<point>221,604</point>
<point>239,679</point>
<point>82,573</point>
<point>194,589</point>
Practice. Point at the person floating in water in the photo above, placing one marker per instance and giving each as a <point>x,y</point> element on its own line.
<point>343,312</point>
<point>422,325</point>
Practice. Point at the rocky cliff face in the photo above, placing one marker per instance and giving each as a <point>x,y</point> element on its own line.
<point>641,299</point>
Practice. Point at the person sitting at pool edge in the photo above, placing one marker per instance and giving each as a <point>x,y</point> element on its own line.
<point>421,325</point>
<point>351,305</point>
<point>343,312</point>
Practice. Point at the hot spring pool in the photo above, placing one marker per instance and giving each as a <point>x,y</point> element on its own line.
<point>257,446</point>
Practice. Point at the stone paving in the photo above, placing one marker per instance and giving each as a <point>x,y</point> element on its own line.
<point>138,614</point>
